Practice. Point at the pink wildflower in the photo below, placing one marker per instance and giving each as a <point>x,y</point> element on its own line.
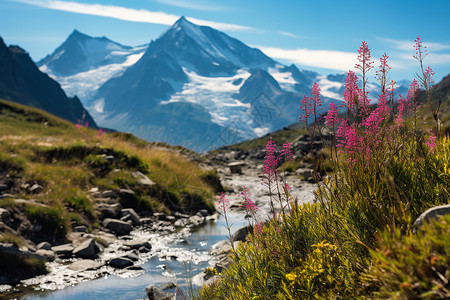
<point>258,229</point>
<point>223,202</point>
<point>331,119</point>
<point>431,142</point>
<point>421,51</point>
<point>270,161</point>
<point>352,91</point>
<point>364,58</point>
<point>249,206</point>
<point>287,151</point>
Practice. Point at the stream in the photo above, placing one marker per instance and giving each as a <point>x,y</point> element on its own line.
<point>175,257</point>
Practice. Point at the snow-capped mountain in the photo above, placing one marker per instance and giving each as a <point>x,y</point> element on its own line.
<point>83,63</point>
<point>194,86</point>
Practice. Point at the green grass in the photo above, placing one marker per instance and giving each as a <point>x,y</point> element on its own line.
<point>36,147</point>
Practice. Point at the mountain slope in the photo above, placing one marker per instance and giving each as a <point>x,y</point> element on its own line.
<point>22,82</point>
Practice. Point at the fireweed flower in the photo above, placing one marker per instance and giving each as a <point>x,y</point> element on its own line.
<point>352,93</point>
<point>287,151</point>
<point>249,206</point>
<point>270,161</point>
<point>331,118</point>
<point>431,142</point>
<point>223,203</point>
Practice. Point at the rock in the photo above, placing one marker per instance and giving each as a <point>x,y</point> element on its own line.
<point>213,280</point>
<point>108,194</point>
<point>203,212</point>
<point>222,247</point>
<point>3,187</point>
<point>127,198</point>
<point>4,214</point>
<point>117,226</point>
<point>181,222</point>
<point>304,173</point>
<point>87,249</point>
<point>63,250</point>
<point>196,220</point>
<point>136,244</point>
<point>146,221</point>
<point>120,262</point>
<point>36,188</point>
<point>133,216</point>
<point>110,158</point>
<point>311,180</point>
<point>236,167</point>
<point>143,179</point>
<point>131,256</point>
<point>144,249</point>
<point>109,210</point>
<point>432,213</point>
<point>241,234</point>
<point>80,228</point>
<point>84,265</point>
<point>44,246</point>
<point>156,293</point>
<point>49,255</point>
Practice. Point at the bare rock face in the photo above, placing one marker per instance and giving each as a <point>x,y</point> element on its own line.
<point>120,262</point>
<point>117,226</point>
<point>156,293</point>
<point>87,249</point>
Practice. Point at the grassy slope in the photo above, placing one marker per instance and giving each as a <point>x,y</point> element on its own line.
<point>36,147</point>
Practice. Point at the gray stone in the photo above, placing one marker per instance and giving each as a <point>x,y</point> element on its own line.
<point>36,188</point>
<point>84,265</point>
<point>117,226</point>
<point>241,234</point>
<point>236,167</point>
<point>136,244</point>
<point>44,246</point>
<point>108,194</point>
<point>131,256</point>
<point>156,293</point>
<point>142,178</point>
<point>311,180</point>
<point>63,250</point>
<point>181,222</point>
<point>49,255</point>
<point>432,213</point>
<point>133,216</point>
<point>80,228</point>
<point>203,212</point>
<point>87,249</point>
<point>120,262</point>
<point>4,213</point>
<point>196,220</point>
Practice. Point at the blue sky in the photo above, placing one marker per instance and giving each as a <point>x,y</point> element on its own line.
<point>315,35</point>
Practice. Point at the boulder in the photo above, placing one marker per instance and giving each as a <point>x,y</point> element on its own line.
<point>432,213</point>
<point>49,255</point>
<point>108,194</point>
<point>44,246</point>
<point>156,293</point>
<point>196,220</point>
<point>241,234</point>
<point>87,249</point>
<point>132,215</point>
<point>84,265</point>
<point>36,188</point>
<point>64,250</point>
<point>80,228</point>
<point>136,244</point>
<point>120,262</point>
<point>4,214</point>
<point>117,226</point>
<point>143,179</point>
<point>236,167</point>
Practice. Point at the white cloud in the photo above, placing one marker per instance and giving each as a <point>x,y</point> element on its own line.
<point>203,6</point>
<point>128,14</point>
<point>328,59</point>
<point>285,33</point>
<point>409,46</point>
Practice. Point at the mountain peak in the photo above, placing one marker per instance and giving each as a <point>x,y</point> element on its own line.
<point>78,35</point>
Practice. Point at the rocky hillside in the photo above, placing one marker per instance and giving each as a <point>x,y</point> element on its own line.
<point>68,191</point>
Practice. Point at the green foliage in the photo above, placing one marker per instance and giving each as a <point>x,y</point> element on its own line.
<point>81,203</point>
<point>16,240</point>
<point>52,219</point>
<point>290,260</point>
<point>412,266</point>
